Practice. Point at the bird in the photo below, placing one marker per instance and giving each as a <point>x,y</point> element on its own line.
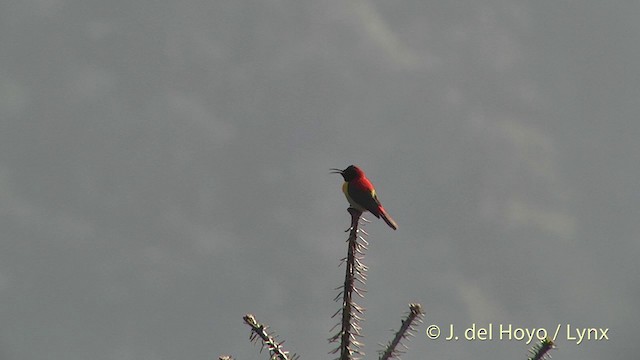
<point>361,194</point>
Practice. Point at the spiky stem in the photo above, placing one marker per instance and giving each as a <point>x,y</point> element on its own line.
<point>355,271</point>
<point>406,330</point>
<point>269,341</point>
<point>539,351</point>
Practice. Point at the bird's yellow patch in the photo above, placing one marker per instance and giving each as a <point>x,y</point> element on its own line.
<point>345,190</point>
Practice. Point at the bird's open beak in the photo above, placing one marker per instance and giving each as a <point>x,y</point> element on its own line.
<point>336,171</point>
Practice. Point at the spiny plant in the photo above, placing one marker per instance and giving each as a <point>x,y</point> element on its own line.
<point>541,351</point>
<point>349,336</point>
<point>407,330</point>
<point>351,313</point>
<point>267,340</point>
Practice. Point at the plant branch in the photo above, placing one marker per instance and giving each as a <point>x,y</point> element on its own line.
<point>268,341</point>
<point>406,330</point>
<point>539,351</point>
<point>351,312</point>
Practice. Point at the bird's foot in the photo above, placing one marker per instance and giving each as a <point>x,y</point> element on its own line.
<point>355,216</point>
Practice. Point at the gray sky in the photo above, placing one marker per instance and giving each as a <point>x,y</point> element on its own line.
<point>164,169</point>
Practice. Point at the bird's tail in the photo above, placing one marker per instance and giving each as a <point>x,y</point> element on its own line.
<point>388,219</point>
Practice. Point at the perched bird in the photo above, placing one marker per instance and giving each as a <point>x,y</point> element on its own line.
<point>361,194</point>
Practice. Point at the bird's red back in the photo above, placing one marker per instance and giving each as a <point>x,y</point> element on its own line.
<point>362,183</point>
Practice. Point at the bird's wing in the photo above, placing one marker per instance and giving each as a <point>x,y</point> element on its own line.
<point>363,193</point>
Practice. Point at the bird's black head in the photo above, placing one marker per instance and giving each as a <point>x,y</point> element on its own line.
<point>350,173</point>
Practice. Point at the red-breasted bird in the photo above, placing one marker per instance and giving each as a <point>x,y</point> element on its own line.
<point>361,194</point>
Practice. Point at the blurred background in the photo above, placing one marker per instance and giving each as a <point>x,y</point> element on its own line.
<point>164,169</point>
